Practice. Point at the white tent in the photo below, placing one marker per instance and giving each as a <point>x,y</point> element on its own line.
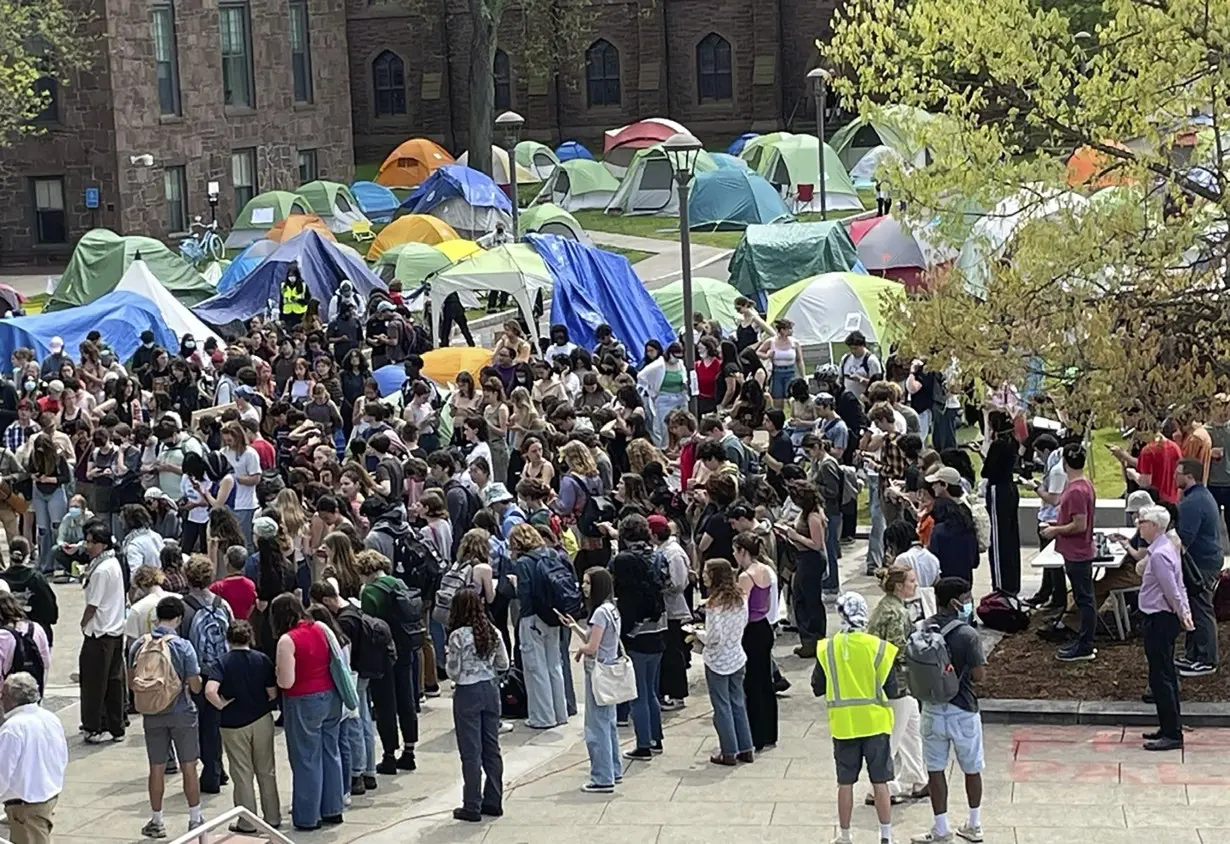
<point>499,168</point>
<point>138,279</point>
<point>515,269</point>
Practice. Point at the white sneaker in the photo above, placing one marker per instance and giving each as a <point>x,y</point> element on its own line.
<point>506,727</point>
<point>971,833</point>
<point>842,839</point>
<point>931,837</point>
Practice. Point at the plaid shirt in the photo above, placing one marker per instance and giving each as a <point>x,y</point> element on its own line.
<point>892,460</point>
<point>15,435</point>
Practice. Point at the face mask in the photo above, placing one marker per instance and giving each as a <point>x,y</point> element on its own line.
<point>966,612</point>
<point>147,345</point>
<point>190,345</point>
<point>75,512</point>
<point>30,385</point>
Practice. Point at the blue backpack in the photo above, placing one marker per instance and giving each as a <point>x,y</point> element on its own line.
<point>205,627</point>
<point>555,587</point>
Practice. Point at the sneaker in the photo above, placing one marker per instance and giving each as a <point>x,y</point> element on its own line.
<point>1074,653</point>
<point>842,839</point>
<point>670,705</point>
<point>357,788</point>
<point>103,737</point>
<point>347,800</point>
<point>387,765</point>
<point>369,782</point>
<point>154,829</point>
<point>463,814</point>
<point>625,722</point>
<point>1182,663</point>
<point>506,727</point>
<point>970,833</point>
<point>1197,669</point>
<point>594,788</point>
<point>932,837</point>
<point>656,748</point>
<point>641,753</point>
<point>432,692</point>
<point>172,768</point>
<point>406,761</point>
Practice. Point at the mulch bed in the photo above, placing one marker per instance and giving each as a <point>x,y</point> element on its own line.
<point>1024,666</point>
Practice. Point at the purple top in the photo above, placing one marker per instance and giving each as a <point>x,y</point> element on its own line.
<point>757,604</point>
<point>1161,584</point>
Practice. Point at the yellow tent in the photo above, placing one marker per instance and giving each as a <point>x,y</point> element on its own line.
<point>412,228</point>
<point>442,365</point>
<point>295,224</point>
<point>456,250</point>
<point>411,163</point>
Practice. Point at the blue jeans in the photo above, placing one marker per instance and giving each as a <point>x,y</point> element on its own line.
<point>832,550</point>
<point>245,518</point>
<point>875,544</point>
<point>354,750</point>
<point>646,711</point>
<point>729,711</point>
<point>544,676</point>
<point>924,424</point>
<point>369,728</point>
<point>49,511</point>
<point>438,638</point>
<point>312,729</point>
<point>601,737</point>
<point>663,405</point>
<point>570,692</point>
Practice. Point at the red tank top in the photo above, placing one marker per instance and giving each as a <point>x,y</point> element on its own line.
<point>311,660</point>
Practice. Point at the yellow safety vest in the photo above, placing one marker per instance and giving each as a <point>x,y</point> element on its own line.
<point>856,666</point>
<point>294,301</point>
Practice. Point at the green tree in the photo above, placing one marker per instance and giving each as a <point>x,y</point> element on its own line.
<point>1119,299</point>
<point>37,41</point>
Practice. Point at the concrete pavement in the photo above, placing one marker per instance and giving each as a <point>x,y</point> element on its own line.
<point>665,265</point>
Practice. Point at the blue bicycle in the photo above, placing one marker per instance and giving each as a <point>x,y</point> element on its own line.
<point>204,245</point>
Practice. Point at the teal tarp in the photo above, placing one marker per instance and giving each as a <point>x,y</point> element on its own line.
<point>769,258</point>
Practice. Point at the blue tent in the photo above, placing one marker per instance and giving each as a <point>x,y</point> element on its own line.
<point>726,161</point>
<point>456,181</point>
<point>119,317</point>
<point>321,263</point>
<point>569,150</point>
<point>245,262</point>
<point>593,287</point>
<point>734,199</point>
<point>737,145</point>
<point>377,202</point>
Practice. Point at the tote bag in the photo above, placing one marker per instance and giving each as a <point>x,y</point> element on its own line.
<point>339,670</point>
<point>614,682</point>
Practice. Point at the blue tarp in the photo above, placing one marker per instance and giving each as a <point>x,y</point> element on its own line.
<point>734,199</point>
<point>377,202</point>
<point>245,262</point>
<point>569,150</point>
<point>390,378</point>
<point>737,145</point>
<point>456,180</point>
<point>322,265</point>
<point>593,287</point>
<point>119,317</point>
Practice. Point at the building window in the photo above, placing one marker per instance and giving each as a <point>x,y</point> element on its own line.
<point>51,111</point>
<point>389,82</point>
<point>602,73</point>
<point>307,166</point>
<point>503,81</point>
<point>50,223</point>
<point>175,187</point>
<point>301,51</point>
<point>243,176</point>
<point>237,83</point>
<point>713,75</point>
<point>166,59</point>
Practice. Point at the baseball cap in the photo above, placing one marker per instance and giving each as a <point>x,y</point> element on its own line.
<point>25,404</point>
<point>944,475</point>
<point>55,386</point>
<point>658,523</point>
<point>825,399</point>
<point>147,336</point>
<point>156,493</point>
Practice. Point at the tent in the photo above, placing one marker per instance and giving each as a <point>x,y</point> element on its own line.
<point>578,184</point>
<point>295,224</point>
<point>769,258</point>
<point>715,299</point>
<point>443,365</point>
<point>899,127</point>
<point>140,280</point>
<point>726,161</point>
<point>412,228</point>
<point>413,263</point>
<point>245,262</point>
<point>551,219</point>
<point>119,316</point>
<point>734,199</point>
<point>334,203</point>
<point>863,173</point>
<point>825,308</point>
<point>649,185</point>
<point>792,162</point>
<point>515,269</point>
<point>572,151</point>
<point>412,163</point>
<point>619,146</point>
<point>538,159</point>
<point>377,202</point>
<point>466,199</point>
<point>736,146</point>
<point>263,211</point>
<point>1092,168</point>
<point>102,257</point>
<point>888,249</point>
<point>322,265</point>
<point>499,167</point>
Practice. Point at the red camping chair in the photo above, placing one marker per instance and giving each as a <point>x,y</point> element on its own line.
<point>804,197</point>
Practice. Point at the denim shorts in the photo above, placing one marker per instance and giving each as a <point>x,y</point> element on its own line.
<point>946,725</point>
<point>779,382</point>
<point>876,751</point>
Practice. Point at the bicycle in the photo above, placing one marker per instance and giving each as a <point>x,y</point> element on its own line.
<point>204,245</point>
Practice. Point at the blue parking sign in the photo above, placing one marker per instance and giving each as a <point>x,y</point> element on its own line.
<point>91,197</point>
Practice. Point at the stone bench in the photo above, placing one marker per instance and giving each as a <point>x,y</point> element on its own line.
<point>1108,513</point>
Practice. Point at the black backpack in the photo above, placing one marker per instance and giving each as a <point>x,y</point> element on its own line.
<point>597,508</point>
<point>405,619</point>
<point>514,703</point>
<point>26,656</point>
<point>375,651</point>
<point>415,562</point>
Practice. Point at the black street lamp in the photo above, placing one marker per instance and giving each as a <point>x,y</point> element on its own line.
<point>820,78</point>
<point>682,150</point>
<point>510,124</point>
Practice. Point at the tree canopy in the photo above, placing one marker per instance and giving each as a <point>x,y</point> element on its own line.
<point>38,41</point>
<point>1106,273</point>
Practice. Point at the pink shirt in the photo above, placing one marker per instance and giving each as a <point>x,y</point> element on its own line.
<point>8,644</point>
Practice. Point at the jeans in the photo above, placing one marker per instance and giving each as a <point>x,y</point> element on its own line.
<point>438,638</point>
<point>1160,629</point>
<point>601,736</point>
<point>369,727</point>
<point>476,724</point>
<point>875,544</point>
<point>49,511</point>
<point>1080,575</point>
<point>544,676</point>
<point>646,710</point>
<point>353,746</point>
<point>729,711</point>
<point>312,727</point>
<point>832,550</point>
<point>1201,643</point>
<point>245,526</point>
<point>570,692</point>
<point>945,433</point>
<point>924,424</point>
<point>209,732</point>
<point>663,405</point>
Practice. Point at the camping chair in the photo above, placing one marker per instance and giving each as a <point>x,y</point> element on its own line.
<point>804,197</point>
<point>361,231</point>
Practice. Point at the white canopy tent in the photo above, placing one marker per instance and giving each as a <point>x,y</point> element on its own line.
<point>138,279</point>
<point>515,269</point>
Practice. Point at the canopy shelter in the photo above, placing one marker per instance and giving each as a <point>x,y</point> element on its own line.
<point>377,202</point>
<point>792,164</point>
<point>262,212</point>
<point>140,280</point>
<point>412,163</point>
<point>769,258</point>
<point>119,317</point>
<point>538,159</point>
<point>500,167</point>
<point>620,145</point>
<point>551,219</point>
<point>334,203</point>
<point>734,199</point>
<point>1093,169</point>
<point>322,266</point>
<point>715,299</point>
<point>825,308</point>
<point>410,228</point>
<point>515,269</point>
<point>296,224</point>
<point>649,185</point>
<point>102,257</point>
<point>245,262</point>
<point>415,263</point>
<point>572,151</point>
<point>737,145</point>
<point>863,173</point>
<point>887,248</point>
<point>900,127</point>
<point>466,199</point>
<point>578,184</point>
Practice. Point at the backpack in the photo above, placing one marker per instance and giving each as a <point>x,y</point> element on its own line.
<point>270,484</point>
<point>982,520</point>
<point>1003,613</point>
<point>405,619</point>
<point>597,508</point>
<point>376,651</point>
<point>416,563</point>
<point>1221,597</point>
<point>458,577</point>
<point>514,703</point>
<point>555,587</point>
<point>26,656</point>
<point>204,626</point>
<point>928,665</point>
<point>851,485</point>
<point>155,682</point>
<point>866,365</point>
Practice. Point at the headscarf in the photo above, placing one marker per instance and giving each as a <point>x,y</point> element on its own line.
<point>852,607</point>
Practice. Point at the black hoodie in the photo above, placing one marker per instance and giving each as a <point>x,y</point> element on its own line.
<point>31,588</point>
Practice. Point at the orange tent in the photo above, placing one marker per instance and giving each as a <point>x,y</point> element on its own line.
<point>411,163</point>
<point>296,223</point>
<point>412,228</point>
<point>1089,167</point>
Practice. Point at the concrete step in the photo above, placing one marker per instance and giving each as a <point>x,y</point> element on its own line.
<point>1108,512</point>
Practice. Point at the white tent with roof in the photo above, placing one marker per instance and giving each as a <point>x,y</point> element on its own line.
<point>138,279</point>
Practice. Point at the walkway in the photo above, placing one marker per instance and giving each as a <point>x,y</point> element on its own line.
<point>665,265</point>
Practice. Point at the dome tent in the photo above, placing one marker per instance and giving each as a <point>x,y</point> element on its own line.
<point>411,228</point>
<point>715,299</point>
<point>734,199</point>
<point>377,202</point>
<point>469,201</point>
<point>101,258</point>
<point>737,145</point>
<point>619,146</point>
<point>500,167</point>
<point>334,203</point>
<point>579,184</point>
<point>793,163</point>
<point>412,163</point>
<point>649,186</point>
<point>262,212</point>
<point>119,317</point>
<point>572,151</point>
<point>551,219</point>
<point>177,316</point>
<point>538,159</point>
<point>245,262</point>
<point>825,308</point>
<point>899,127</point>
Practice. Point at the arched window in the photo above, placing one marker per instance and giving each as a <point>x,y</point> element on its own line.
<point>713,77</point>
<point>503,81</point>
<point>602,73</point>
<point>389,83</point>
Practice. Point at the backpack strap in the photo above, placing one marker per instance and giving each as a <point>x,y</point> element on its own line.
<point>950,626</point>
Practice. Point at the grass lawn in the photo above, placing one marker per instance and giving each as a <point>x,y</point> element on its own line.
<point>633,255</point>
<point>366,172</point>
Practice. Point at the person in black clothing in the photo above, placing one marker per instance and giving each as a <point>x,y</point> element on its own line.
<point>780,451</point>
<point>30,587</point>
<point>183,390</point>
<point>638,591</point>
<point>999,469</point>
<point>452,311</point>
<point>345,332</point>
<point>462,504</point>
<point>716,534</point>
<point>143,356</point>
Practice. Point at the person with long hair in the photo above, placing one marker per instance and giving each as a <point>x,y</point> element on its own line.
<point>726,662</point>
<point>576,486</point>
<point>355,373</point>
<point>524,421</point>
<point>631,496</point>
<point>294,521</point>
<point>494,411</point>
<point>339,564</point>
<point>807,535</point>
<point>221,533</point>
<point>50,475</point>
<point>353,489</point>
<point>535,466</point>
<point>273,576</point>
<point>999,469</point>
<point>15,623</point>
<point>464,402</point>
<point>786,355</point>
<point>474,657</point>
<point>599,643</point>
<point>756,581</point>
<point>539,640</point>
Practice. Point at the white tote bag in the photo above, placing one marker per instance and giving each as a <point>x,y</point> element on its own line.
<point>614,682</point>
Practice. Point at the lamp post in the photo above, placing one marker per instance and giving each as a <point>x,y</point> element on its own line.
<point>682,150</point>
<point>819,78</point>
<point>510,123</point>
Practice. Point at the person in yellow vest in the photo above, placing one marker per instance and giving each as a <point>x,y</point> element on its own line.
<point>294,297</point>
<point>854,673</point>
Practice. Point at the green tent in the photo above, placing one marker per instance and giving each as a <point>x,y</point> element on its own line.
<point>827,307</point>
<point>649,183</point>
<point>551,219</point>
<point>262,212</point>
<point>578,184</point>
<point>416,261</point>
<point>770,257</point>
<point>386,264</point>
<point>538,158</point>
<point>715,299</point>
<point>334,203</point>
<point>792,164</point>
<point>899,127</point>
<point>101,259</point>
